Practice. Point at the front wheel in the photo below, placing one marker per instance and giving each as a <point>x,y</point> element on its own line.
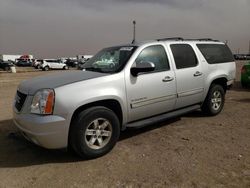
<point>65,68</point>
<point>214,101</point>
<point>94,132</point>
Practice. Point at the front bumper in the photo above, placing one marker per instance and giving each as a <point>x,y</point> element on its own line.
<point>230,84</point>
<point>50,132</point>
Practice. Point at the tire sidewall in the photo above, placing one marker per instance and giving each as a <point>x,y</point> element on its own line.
<point>213,89</point>
<point>85,118</point>
<point>7,68</point>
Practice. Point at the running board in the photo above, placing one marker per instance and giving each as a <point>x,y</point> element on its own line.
<point>163,117</point>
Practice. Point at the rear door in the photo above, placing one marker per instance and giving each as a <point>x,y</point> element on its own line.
<point>53,63</point>
<point>189,75</point>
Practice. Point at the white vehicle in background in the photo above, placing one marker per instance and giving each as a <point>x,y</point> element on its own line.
<point>82,61</point>
<point>48,64</point>
<point>37,63</point>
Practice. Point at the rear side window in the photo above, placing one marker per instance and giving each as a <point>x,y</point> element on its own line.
<point>53,61</point>
<point>184,56</point>
<point>216,53</point>
<point>155,54</point>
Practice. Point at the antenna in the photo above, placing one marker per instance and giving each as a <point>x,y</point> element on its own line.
<point>134,24</point>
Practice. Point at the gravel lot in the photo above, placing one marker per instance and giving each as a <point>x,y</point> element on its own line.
<point>190,151</point>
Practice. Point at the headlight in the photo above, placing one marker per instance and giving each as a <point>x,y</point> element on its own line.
<point>43,102</point>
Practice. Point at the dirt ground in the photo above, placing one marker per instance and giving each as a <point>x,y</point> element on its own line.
<point>190,151</point>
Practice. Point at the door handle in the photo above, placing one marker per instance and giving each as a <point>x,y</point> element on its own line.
<point>167,79</point>
<point>197,73</point>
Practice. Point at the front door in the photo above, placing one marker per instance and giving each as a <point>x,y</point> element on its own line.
<point>151,93</point>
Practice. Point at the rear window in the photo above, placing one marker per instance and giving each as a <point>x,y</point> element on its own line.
<point>184,56</point>
<point>216,53</point>
<point>53,61</point>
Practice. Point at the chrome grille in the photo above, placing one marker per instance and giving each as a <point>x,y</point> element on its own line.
<point>20,99</point>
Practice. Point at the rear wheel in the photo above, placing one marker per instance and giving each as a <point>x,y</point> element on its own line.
<point>7,69</point>
<point>94,132</point>
<point>214,101</point>
<point>244,85</point>
<point>46,68</point>
<point>65,68</point>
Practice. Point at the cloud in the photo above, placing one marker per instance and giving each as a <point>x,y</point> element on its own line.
<point>109,3</point>
<point>51,28</point>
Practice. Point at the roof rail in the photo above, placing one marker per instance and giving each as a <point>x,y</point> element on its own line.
<point>205,39</point>
<point>208,39</point>
<point>173,38</point>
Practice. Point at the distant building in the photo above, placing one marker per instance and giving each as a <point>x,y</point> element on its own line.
<point>6,57</point>
<point>64,59</point>
<point>83,57</point>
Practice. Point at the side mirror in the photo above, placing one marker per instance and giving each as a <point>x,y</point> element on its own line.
<point>143,66</point>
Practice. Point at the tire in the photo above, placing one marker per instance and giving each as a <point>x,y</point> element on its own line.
<point>214,101</point>
<point>46,68</point>
<point>94,132</point>
<point>7,69</point>
<point>65,68</point>
<point>244,85</point>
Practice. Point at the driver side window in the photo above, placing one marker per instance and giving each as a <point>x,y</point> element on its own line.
<point>155,54</point>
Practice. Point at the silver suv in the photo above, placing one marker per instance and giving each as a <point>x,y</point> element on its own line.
<point>123,86</point>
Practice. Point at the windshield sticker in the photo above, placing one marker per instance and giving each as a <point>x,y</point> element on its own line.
<point>126,48</point>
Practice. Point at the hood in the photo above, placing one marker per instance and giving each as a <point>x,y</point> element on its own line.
<point>52,81</point>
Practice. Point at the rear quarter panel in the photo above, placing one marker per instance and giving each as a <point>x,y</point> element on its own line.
<point>222,70</point>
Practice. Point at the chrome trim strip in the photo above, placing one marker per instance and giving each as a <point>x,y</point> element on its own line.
<point>191,92</point>
<point>152,101</point>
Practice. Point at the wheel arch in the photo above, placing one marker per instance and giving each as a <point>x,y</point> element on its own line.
<point>220,81</point>
<point>111,104</point>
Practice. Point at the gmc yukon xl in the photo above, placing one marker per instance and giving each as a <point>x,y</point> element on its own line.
<point>123,86</point>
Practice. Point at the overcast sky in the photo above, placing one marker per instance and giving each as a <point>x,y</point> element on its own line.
<point>58,28</point>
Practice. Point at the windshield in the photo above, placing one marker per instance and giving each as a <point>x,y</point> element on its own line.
<point>110,60</point>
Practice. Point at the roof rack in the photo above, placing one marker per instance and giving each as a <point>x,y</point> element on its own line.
<point>173,38</point>
<point>182,39</point>
<point>204,39</point>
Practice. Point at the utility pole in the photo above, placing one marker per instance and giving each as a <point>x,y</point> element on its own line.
<point>134,23</point>
<point>249,48</point>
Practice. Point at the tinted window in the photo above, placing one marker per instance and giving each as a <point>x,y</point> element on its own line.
<point>156,55</point>
<point>184,56</point>
<point>216,53</point>
<point>53,61</point>
<point>110,60</point>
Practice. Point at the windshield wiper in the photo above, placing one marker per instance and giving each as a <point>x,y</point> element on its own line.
<point>94,69</point>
